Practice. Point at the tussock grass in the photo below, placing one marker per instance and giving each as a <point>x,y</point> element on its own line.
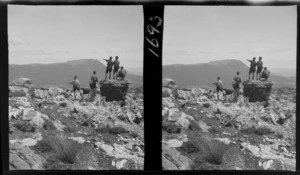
<point>24,126</point>
<point>66,150</point>
<point>205,148</point>
<point>215,151</point>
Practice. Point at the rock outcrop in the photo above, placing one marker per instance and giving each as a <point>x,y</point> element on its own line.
<point>257,90</point>
<point>21,82</point>
<point>114,90</point>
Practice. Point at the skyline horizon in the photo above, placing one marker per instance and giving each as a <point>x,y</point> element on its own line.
<point>50,34</point>
<point>200,34</point>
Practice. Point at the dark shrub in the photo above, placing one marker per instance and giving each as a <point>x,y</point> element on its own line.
<point>66,150</point>
<point>190,147</point>
<point>206,105</point>
<point>24,126</point>
<point>43,146</point>
<point>194,126</point>
<point>49,125</point>
<point>263,131</point>
<point>214,152</point>
<point>112,130</point>
<point>170,127</point>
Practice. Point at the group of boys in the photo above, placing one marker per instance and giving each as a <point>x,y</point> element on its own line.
<point>261,74</point>
<point>115,67</point>
<point>117,74</point>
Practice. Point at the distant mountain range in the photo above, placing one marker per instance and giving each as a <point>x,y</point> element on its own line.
<point>60,74</point>
<point>203,74</point>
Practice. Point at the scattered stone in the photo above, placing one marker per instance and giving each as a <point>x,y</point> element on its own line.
<point>78,139</point>
<point>174,143</point>
<point>120,164</point>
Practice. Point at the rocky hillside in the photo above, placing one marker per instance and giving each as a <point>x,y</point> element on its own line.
<point>203,74</point>
<point>50,130</point>
<point>201,133</point>
<point>60,74</point>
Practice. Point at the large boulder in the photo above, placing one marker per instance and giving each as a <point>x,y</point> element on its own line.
<point>169,83</point>
<point>21,82</point>
<point>257,90</point>
<point>173,160</point>
<point>16,91</point>
<point>23,158</point>
<point>114,90</point>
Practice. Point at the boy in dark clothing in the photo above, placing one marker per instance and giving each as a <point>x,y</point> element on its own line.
<point>93,85</point>
<point>219,86</point>
<point>122,73</point>
<point>259,69</point>
<point>76,86</point>
<point>252,68</point>
<point>116,67</point>
<point>265,74</point>
<point>109,66</point>
<point>237,80</point>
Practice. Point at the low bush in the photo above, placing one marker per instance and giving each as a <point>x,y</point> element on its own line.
<point>214,152</point>
<point>257,131</point>
<point>53,164</point>
<point>66,150</point>
<point>170,127</point>
<point>24,126</point>
<point>49,125</point>
<point>194,126</point>
<point>263,131</point>
<point>43,146</point>
<point>190,147</point>
<point>200,164</point>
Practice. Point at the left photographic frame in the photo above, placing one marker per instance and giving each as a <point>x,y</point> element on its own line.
<point>75,87</point>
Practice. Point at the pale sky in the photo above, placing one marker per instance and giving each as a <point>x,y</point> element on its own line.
<point>199,34</point>
<point>49,34</point>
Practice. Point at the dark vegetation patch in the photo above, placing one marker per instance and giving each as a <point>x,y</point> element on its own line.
<point>53,164</point>
<point>190,147</point>
<point>215,151</point>
<point>170,127</point>
<point>49,125</point>
<point>112,130</point>
<point>66,150</point>
<point>194,126</point>
<point>200,164</point>
<point>24,126</point>
<point>258,131</point>
<point>43,146</point>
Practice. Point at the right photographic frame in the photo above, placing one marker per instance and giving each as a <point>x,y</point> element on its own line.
<point>229,88</point>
